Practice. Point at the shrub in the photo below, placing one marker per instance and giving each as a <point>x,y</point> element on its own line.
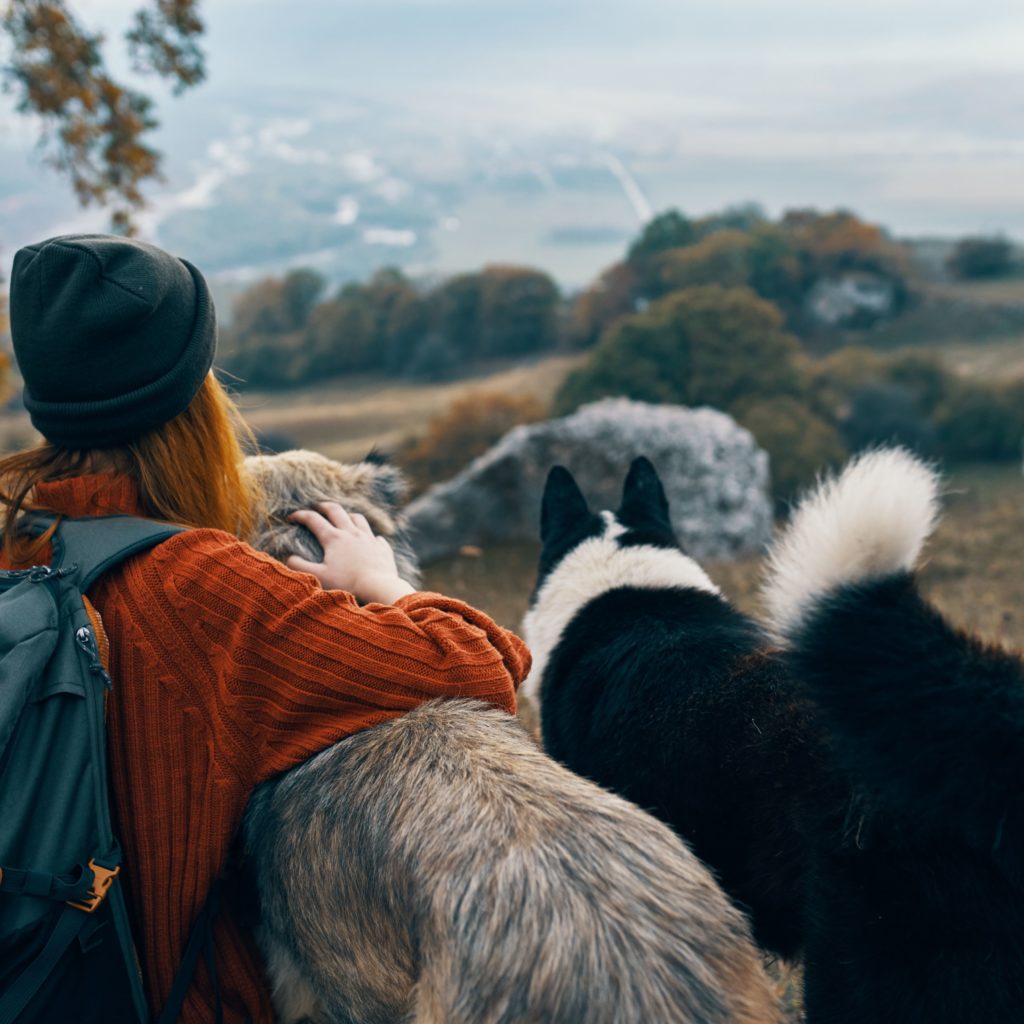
<point>799,443</point>
<point>886,414</point>
<point>980,257</point>
<point>836,379</point>
<point>701,346</point>
<point>982,422</point>
<point>470,425</point>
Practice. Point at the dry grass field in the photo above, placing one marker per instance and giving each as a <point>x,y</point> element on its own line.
<point>346,419</point>
<point>974,569</point>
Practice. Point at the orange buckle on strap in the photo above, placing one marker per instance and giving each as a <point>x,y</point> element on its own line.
<point>103,879</point>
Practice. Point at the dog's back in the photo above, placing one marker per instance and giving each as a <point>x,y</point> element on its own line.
<point>653,685</point>
<point>439,868</point>
<point>919,915</point>
<point>450,872</point>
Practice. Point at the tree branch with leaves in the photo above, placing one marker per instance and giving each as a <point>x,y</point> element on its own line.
<point>96,130</point>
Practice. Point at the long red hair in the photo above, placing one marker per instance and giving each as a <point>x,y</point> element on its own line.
<point>189,471</point>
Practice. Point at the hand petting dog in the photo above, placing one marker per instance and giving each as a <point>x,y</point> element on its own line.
<point>354,559</point>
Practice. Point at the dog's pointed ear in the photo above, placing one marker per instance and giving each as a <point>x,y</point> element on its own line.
<point>389,486</point>
<point>643,497</point>
<point>563,503</point>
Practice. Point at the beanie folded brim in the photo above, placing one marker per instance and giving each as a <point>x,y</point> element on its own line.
<point>115,421</point>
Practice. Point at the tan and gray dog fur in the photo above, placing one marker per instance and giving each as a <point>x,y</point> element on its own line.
<point>440,869</point>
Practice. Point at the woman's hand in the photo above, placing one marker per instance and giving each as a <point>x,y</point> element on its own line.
<point>354,559</point>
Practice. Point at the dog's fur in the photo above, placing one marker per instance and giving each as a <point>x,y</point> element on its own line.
<point>301,479</point>
<point>927,922</point>
<point>857,791</point>
<point>653,685</point>
<point>439,869</point>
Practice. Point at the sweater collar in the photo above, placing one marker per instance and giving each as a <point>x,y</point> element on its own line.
<point>94,494</point>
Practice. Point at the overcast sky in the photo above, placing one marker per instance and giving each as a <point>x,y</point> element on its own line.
<point>926,94</point>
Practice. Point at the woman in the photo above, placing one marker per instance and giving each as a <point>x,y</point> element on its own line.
<point>228,668</point>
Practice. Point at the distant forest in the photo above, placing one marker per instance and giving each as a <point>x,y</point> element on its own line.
<point>813,331</point>
<point>288,331</point>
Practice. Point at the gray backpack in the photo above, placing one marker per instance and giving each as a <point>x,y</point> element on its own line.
<point>66,950</point>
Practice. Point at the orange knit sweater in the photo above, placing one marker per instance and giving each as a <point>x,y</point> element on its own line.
<point>229,668</point>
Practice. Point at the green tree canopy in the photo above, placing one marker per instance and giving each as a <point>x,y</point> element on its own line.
<point>700,346</point>
<point>669,230</point>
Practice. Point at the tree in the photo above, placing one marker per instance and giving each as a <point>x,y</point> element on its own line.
<point>721,258</point>
<point>612,295</point>
<point>95,129</point>
<point>981,257</point>
<point>669,230</point>
<point>700,346</point>
<point>457,313</point>
<point>518,311</point>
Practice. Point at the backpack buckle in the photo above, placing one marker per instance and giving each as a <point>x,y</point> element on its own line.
<point>103,879</point>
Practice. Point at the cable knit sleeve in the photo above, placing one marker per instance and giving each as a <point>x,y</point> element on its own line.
<point>291,668</point>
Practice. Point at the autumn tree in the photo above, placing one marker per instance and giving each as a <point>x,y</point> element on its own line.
<point>615,293</point>
<point>96,130</point>
<point>467,428</point>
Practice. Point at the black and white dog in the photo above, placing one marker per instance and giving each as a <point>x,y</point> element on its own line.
<point>856,788</point>
<point>653,685</point>
<point>924,920</point>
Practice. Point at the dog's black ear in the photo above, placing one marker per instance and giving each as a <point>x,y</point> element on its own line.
<point>377,458</point>
<point>643,498</point>
<point>563,504</point>
<point>390,487</point>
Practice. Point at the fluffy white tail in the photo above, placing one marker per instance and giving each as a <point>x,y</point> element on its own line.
<point>872,520</point>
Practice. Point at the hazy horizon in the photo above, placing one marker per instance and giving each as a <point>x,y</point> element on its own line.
<point>546,131</point>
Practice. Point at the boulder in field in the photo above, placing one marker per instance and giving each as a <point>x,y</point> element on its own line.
<point>714,473</point>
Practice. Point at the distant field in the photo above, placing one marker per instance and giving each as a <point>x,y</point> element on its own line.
<point>1001,359</point>
<point>1004,291</point>
<point>345,419</point>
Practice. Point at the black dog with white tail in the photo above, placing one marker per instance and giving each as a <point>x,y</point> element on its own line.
<point>853,777</point>
<point>654,686</point>
<point>924,920</point>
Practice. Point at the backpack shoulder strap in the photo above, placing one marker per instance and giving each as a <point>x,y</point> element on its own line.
<point>97,544</point>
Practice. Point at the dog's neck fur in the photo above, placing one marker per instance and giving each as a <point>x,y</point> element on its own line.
<point>595,567</point>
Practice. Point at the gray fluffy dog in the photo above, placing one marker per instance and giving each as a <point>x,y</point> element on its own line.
<point>440,869</point>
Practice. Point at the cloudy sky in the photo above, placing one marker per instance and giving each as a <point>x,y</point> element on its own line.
<point>911,111</point>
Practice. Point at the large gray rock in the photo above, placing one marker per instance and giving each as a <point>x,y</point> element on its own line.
<point>715,476</point>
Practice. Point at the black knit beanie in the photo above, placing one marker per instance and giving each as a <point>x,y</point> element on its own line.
<point>113,337</point>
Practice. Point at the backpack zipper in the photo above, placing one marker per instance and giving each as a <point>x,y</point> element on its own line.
<point>38,573</point>
<point>87,642</point>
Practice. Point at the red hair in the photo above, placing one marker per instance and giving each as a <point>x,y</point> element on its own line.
<point>189,471</point>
